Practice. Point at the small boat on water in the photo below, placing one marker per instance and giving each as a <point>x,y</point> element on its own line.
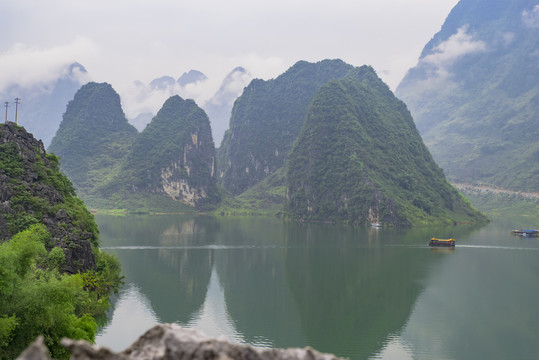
<point>442,242</point>
<point>376,225</point>
<point>526,233</point>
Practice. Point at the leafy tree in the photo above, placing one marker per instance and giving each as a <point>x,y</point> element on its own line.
<point>36,299</point>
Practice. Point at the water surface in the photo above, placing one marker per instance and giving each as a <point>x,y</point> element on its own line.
<point>362,293</point>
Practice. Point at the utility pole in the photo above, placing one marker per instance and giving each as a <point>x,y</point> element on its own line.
<point>6,105</point>
<point>17,102</point>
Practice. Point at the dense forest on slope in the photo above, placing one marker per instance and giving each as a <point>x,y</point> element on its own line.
<point>376,171</point>
<point>34,191</point>
<point>266,120</point>
<point>359,158</point>
<point>54,279</point>
<point>174,155</point>
<point>474,93</point>
<point>170,166</point>
<point>93,138</point>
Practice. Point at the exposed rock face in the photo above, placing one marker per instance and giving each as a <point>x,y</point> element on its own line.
<point>32,190</point>
<point>170,341</point>
<point>174,156</point>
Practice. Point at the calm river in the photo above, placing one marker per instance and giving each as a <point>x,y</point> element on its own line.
<point>361,293</point>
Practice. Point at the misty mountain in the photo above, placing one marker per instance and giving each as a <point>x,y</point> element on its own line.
<point>474,93</point>
<point>162,83</point>
<point>42,105</point>
<point>168,166</point>
<point>174,157</point>
<point>191,85</point>
<point>266,120</point>
<point>93,138</point>
<point>359,158</point>
<point>219,107</point>
<point>191,77</point>
<point>141,120</point>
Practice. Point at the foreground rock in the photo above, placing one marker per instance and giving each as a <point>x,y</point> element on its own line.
<point>170,341</point>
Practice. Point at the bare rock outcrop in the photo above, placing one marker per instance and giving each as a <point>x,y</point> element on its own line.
<point>170,341</point>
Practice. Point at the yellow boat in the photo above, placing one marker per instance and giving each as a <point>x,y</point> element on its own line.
<point>442,242</point>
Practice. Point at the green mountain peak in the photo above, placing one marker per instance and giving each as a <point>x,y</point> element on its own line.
<point>266,120</point>
<point>174,156</point>
<point>359,158</point>
<point>474,94</point>
<point>93,136</point>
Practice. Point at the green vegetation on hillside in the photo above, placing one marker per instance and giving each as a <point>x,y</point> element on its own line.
<point>169,167</point>
<point>26,207</point>
<point>265,198</point>
<point>178,140</point>
<point>54,280</point>
<point>359,158</point>
<point>93,138</point>
<point>378,170</point>
<point>266,120</point>
<point>477,108</point>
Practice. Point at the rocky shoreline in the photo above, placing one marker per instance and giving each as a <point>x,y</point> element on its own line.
<point>171,341</point>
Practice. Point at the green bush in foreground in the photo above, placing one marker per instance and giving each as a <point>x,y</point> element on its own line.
<point>36,299</point>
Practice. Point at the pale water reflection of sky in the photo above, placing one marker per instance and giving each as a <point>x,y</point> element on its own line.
<point>133,315</point>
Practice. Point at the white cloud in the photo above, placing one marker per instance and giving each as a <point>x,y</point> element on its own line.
<point>27,66</point>
<point>454,48</point>
<point>140,98</point>
<point>531,18</point>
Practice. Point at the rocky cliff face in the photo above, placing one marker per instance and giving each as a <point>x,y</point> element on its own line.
<point>174,156</point>
<point>170,341</point>
<point>32,190</point>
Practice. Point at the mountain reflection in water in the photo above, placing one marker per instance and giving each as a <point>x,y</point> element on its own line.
<point>357,292</point>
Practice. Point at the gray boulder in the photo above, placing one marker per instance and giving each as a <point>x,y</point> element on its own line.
<point>171,341</point>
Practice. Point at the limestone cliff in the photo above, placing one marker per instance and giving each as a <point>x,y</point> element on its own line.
<point>174,156</point>
<point>33,190</point>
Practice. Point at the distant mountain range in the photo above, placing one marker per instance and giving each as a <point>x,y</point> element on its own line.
<point>42,105</point>
<point>323,141</point>
<point>218,106</point>
<point>474,94</point>
<point>335,143</point>
<point>169,165</point>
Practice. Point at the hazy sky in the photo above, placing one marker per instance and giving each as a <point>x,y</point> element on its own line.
<point>120,41</point>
